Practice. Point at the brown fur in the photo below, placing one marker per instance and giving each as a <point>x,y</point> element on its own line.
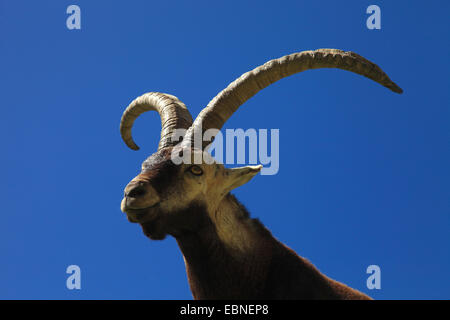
<point>227,254</point>
<point>270,270</point>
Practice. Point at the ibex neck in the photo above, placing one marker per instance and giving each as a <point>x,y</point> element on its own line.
<point>234,257</point>
<point>229,256</point>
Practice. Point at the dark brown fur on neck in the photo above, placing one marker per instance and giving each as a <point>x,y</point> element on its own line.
<point>269,270</point>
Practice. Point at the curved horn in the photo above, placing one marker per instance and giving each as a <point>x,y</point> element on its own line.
<point>219,109</point>
<point>173,113</point>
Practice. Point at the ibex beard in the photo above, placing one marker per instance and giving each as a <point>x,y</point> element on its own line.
<point>227,254</point>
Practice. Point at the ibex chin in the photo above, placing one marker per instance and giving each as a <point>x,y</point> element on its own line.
<point>227,254</point>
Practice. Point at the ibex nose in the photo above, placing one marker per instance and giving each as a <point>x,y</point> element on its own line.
<point>136,191</point>
<point>139,194</point>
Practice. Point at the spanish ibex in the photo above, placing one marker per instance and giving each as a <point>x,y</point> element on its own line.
<point>227,254</point>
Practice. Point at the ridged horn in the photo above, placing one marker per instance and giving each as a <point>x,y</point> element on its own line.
<point>219,109</point>
<point>173,113</point>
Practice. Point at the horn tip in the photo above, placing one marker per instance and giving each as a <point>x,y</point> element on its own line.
<point>133,146</point>
<point>395,88</point>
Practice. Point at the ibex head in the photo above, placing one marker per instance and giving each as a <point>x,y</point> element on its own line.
<point>165,197</point>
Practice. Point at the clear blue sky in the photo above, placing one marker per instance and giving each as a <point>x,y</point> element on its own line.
<point>364,173</point>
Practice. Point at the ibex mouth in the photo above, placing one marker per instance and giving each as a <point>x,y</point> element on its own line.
<point>141,214</point>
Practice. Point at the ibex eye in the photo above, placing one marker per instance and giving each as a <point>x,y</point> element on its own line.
<point>196,170</point>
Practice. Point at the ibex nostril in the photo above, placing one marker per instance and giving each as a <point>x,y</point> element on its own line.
<point>137,192</point>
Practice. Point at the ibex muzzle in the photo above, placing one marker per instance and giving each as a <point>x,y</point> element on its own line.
<point>139,198</point>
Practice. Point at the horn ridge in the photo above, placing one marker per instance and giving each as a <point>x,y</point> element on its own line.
<point>224,104</point>
<point>174,115</point>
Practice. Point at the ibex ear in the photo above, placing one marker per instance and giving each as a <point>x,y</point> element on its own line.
<point>236,177</point>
